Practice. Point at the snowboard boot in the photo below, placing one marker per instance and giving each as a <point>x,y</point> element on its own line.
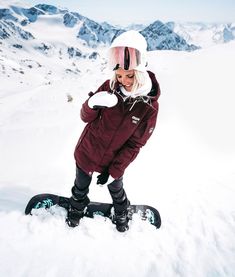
<point>121,220</point>
<point>76,210</point>
<point>74,216</point>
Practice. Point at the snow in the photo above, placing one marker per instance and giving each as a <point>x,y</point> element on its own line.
<point>55,30</point>
<point>186,171</point>
<point>205,35</point>
<point>10,3</point>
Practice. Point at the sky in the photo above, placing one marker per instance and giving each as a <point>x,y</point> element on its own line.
<point>147,11</point>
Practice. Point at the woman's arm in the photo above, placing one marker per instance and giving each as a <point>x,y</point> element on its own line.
<point>87,114</point>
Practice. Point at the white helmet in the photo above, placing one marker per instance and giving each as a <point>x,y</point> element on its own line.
<point>128,51</point>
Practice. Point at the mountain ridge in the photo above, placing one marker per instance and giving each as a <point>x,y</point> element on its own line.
<point>92,33</point>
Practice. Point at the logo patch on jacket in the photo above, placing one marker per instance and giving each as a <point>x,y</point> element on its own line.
<point>135,119</point>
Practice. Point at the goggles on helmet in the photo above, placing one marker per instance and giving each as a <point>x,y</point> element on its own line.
<point>124,57</point>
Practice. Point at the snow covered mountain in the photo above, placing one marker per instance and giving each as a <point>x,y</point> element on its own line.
<point>16,21</point>
<point>19,18</point>
<point>204,35</point>
<point>160,36</point>
<point>29,36</point>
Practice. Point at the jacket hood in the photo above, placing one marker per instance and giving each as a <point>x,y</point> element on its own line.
<point>155,91</point>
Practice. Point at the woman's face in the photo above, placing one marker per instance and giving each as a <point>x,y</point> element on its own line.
<point>126,78</point>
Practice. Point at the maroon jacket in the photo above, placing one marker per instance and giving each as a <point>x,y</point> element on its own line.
<point>113,136</point>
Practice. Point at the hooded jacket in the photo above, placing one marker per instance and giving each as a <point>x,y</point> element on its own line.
<point>113,136</point>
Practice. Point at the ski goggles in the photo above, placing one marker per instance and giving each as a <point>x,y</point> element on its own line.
<point>124,57</point>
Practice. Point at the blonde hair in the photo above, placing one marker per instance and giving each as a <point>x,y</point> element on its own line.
<point>139,80</point>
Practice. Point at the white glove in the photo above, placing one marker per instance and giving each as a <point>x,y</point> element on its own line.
<point>102,99</point>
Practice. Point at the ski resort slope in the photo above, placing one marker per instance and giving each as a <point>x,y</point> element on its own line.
<point>186,171</point>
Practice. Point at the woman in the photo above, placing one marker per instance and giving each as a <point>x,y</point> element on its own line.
<point>120,116</point>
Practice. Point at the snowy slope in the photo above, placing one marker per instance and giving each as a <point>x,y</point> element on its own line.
<point>187,170</point>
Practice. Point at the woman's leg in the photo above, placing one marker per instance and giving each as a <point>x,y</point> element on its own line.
<point>120,203</point>
<point>80,190</point>
<point>79,199</point>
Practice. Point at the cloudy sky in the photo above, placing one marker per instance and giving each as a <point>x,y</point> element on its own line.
<point>146,11</point>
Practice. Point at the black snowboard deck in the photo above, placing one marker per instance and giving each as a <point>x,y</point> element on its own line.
<point>47,200</point>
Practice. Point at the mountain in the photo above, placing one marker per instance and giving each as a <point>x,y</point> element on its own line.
<point>137,27</point>
<point>89,31</point>
<point>31,35</point>
<point>15,22</point>
<point>160,36</point>
<point>202,34</point>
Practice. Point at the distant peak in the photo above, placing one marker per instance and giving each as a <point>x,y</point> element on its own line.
<point>8,4</point>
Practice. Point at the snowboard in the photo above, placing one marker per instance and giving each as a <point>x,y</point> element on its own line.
<point>46,201</point>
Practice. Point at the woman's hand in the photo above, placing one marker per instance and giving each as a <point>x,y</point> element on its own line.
<point>102,99</point>
<point>104,178</point>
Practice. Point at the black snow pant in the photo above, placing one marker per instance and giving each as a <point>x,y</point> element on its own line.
<point>80,190</point>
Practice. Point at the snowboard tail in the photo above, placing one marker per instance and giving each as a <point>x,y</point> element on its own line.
<point>48,200</point>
